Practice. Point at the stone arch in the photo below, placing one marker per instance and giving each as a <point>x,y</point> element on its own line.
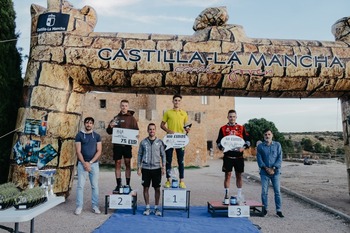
<point>70,59</point>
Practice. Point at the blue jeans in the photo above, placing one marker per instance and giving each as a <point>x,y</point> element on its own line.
<point>180,153</point>
<point>265,181</point>
<point>93,177</point>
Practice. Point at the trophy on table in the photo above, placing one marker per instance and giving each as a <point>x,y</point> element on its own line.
<point>31,173</point>
<point>47,181</point>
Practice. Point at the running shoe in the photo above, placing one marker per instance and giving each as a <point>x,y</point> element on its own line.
<point>147,211</point>
<point>182,185</point>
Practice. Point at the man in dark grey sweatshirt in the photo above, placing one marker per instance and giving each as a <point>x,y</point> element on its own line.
<point>151,164</point>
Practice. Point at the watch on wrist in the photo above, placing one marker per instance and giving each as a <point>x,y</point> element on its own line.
<point>91,162</point>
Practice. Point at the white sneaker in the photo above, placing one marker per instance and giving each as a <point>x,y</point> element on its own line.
<point>157,212</point>
<point>147,211</point>
<point>96,210</point>
<point>78,211</point>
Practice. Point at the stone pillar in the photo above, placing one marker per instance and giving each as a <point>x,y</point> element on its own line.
<point>51,100</point>
<point>345,106</point>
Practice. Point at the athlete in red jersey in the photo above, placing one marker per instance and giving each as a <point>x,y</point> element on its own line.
<point>233,158</point>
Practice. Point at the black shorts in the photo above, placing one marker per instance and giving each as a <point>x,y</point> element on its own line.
<point>230,162</point>
<point>154,175</point>
<point>121,150</point>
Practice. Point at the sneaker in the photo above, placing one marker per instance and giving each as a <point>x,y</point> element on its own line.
<point>96,210</point>
<point>78,211</point>
<point>279,214</point>
<point>116,190</point>
<point>226,201</point>
<point>167,184</point>
<point>264,212</point>
<point>182,185</point>
<point>157,212</point>
<point>147,211</point>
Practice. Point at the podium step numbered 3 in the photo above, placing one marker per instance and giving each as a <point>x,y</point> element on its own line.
<point>250,207</point>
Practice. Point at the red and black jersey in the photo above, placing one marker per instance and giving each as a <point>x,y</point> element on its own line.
<point>236,129</point>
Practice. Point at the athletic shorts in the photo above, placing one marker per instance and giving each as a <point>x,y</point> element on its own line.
<point>121,150</point>
<point>154,176</point>
<point>230,162</point>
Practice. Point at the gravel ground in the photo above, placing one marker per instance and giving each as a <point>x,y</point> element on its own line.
<point>207,184</point>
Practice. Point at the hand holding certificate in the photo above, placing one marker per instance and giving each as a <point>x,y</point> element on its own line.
<point>176,140</point>
<point>125,136</point>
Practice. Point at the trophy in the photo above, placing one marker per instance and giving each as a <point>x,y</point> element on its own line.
<point>174,180</point>
<point>31,172</point>
<point>47,181</point>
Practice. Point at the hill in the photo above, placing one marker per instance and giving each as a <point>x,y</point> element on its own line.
<point>333,140</point>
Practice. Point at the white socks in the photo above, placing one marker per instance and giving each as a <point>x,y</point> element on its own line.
<point>239,192</point>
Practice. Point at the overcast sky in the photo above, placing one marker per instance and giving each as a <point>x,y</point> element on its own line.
<point>274,19</point>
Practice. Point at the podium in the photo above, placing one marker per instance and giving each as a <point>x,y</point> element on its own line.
<point>216,208</point>
<point>121,201</point>
<point>176,199</point>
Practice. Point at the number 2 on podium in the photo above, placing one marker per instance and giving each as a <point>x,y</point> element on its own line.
<point>120,201</point>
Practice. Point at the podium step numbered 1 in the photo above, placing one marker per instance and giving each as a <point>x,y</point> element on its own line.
<point>176,199</point>
<point>121,201</point>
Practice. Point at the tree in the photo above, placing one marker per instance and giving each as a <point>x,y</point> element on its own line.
<point>307,144</point>
<point>10,83</point>
<point>319,148</point>
<point>340,151</point>
<point>256,127</point>
<point>327,149</point>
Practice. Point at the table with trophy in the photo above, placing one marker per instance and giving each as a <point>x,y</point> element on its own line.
<point>21,206</point>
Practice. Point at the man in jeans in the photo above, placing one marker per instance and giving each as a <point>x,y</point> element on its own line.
<point>269,158</point>
<point>88,148</point>
<point>151,164</point>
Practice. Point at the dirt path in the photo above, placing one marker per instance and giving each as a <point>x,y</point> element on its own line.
<point>326,183</point>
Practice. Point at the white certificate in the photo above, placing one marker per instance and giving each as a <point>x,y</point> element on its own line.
<point>125,136</point>
<point>232,142</point>
<point>176,140</point>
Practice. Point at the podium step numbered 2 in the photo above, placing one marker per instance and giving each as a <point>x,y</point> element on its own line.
<point>176,199</point>
<point>121,201</point>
